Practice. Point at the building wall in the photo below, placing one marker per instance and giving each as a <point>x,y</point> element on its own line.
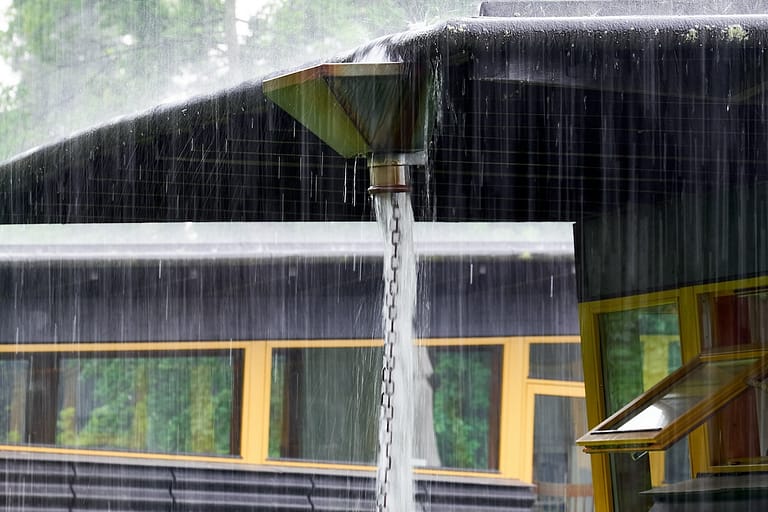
<point>287,299</point>
<point>716,236</point>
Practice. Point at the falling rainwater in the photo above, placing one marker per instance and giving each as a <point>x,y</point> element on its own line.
<point>394,482</point>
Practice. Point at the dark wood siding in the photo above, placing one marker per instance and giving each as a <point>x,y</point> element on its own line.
<point>282,299</point>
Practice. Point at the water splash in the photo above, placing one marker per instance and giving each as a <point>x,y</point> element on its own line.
<point>394,482</point>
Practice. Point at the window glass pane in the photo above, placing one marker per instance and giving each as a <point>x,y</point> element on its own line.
<point>466,389</point>
<point>698,385</point>
<point>738,432</point>
<point>635,472</point>
<point>561,470</point>
<point>638,348</point>
<point>739,318</point>
<point>180,403</point>
<point>556,361</point>
<point>13,397</point>
<point>324,405</point>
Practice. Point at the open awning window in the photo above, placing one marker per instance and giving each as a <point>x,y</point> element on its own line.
<point>679,403</point>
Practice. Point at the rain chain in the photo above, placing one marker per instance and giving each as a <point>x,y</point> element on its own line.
<point>387,411</point>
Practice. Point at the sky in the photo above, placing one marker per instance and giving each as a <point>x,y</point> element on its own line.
<point>244,10</point>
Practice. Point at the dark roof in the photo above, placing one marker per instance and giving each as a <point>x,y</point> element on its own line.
<point>533,119</point>
<point>553,8</point>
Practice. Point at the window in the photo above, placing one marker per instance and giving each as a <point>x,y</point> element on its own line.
<point>555,361</point>
<point>466,392</point>
<point>736,319</point>
<point>561,470</point>
<point>556,416</point>
<point>639,347</point>
<point>659,421</point>
<point>293,402</point>
<point>324,405</point>
<point>637,344</point>
<point>13,397</point>
<point>158,402</point>
<point>733,318</point>
<point>679,403</point>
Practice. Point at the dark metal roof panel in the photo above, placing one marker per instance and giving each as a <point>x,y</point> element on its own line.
<point>121,488</point>
<point>333,492</point>
<point>206,490</point>
<point>35,485</point>
<point>561,8</point>
<point>38,485</point>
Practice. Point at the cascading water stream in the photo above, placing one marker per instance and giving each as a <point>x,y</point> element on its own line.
<point>394,478</point>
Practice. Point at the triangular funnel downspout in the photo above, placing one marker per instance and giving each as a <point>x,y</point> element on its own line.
<point>377,110</point>
<point>372,109</point>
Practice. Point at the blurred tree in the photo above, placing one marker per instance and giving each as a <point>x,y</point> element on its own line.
<point>288,32</point>
<point>462,406</point>
<point>81,62</point>
<point>157,404</point>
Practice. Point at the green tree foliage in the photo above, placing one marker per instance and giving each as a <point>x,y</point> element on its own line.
<point>81,62</point>
<point>311,29</point>
<point>462,405</point>
<point>156,404</point>
<point>623,352</point>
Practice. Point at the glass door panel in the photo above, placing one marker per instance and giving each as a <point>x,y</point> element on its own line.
<point>638,347</point>
<point>561,470</point>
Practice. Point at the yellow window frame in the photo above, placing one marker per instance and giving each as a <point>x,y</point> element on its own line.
<point>523,431</point>
<point>515,437</point>
<point>699,439</point>
<point>589,313</point>
<point>146,347</point>
<point>686,299</point>
<point>547,388</point>
<point>515,449</point>
<point>609,436</point>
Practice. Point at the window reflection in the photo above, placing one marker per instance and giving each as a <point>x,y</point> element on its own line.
<point>324,405</point>
<point>561,470</point>
<point>638,347</point>
<point>729,320</point>
<point>13,397</point>
<point>556,361</point>
<point>653,417</point>
<point>175,403</point>
<point>734,318</point>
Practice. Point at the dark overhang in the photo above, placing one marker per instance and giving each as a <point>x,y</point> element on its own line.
<point>530,119</point>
